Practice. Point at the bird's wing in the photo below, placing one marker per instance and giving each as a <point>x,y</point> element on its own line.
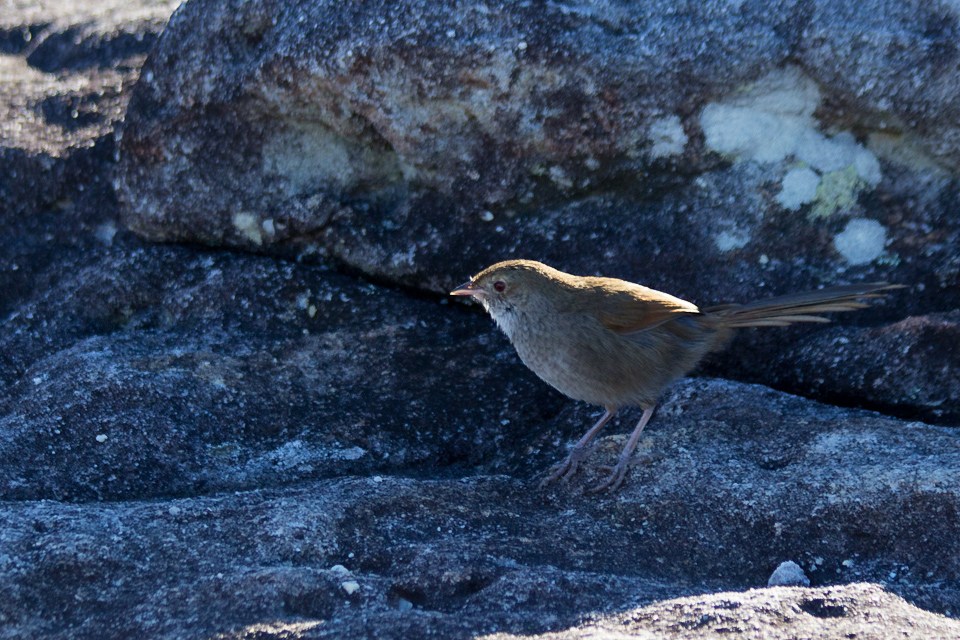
<point>626,308</point>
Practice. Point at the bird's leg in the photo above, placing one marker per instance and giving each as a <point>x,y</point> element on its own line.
<point>568,467</point>
<point>619,471</point>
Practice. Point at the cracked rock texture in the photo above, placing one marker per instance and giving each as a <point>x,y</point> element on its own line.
<point>719,153</point>
<point>269,425</point>
<point>420,141</point>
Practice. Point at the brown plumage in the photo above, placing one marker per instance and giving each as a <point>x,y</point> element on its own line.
<point>615,344</point>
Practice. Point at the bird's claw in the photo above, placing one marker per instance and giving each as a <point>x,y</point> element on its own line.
<point>566,469</point>
<point>557,471</point>
<point>618,474</point>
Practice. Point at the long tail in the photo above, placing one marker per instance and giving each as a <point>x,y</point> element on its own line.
<point>798,307</point>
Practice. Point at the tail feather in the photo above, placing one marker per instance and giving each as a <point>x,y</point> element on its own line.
<point>799,307</point>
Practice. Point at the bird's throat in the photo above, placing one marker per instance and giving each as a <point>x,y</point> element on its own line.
<point>506,318</point>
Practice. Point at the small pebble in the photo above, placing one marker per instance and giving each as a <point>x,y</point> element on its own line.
<point>101,438</point>
<point>350,586</point>
<point>788,574</point>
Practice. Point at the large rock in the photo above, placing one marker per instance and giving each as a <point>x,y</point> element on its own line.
<point>710,149</point>
<point>909,368</point>
<point>777,614</point>
<point>721,155</point>
<point>192,373</point>
<point>741,478</point>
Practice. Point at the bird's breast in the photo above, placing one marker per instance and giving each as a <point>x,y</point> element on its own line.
<point>577,357</point>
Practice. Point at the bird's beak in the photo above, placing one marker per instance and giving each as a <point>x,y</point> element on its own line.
<point>468,289</point>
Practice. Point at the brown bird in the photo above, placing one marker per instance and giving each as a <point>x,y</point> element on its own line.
<point>617,344</point>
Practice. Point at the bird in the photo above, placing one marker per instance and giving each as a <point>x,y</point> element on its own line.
<point>616,344</point>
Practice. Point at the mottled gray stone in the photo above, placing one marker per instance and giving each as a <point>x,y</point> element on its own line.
<point>200,442</point>
<point>852,611</point>
<point>419,142</point>
<point>788,574</point>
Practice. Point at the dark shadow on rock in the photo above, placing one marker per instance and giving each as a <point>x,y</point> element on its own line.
<point>75,49</point>
<point>16,39</point>
<point>71,112</point>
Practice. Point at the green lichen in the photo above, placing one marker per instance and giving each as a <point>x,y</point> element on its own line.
<point>838,191</point>
<point>889,259</point>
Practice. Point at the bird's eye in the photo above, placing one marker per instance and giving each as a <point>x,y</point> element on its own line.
<point>499,286</point>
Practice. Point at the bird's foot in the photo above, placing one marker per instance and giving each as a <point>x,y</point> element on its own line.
<point>618,473</point>
<point>566,469</point>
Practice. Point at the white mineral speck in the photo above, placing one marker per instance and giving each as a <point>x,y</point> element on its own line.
<point>246,225</point>
<point>350,586</point>
<point>101,438</point>
<point>730,240</point>
<point>174,511</point>
<point>559,177</point>
<point>667,136</point>
<point>862,241</point>
<point>486,216</point>
<point>105,232</point>
<point>867,166</point>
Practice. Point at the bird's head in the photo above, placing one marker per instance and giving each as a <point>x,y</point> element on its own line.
<point>511,286</point>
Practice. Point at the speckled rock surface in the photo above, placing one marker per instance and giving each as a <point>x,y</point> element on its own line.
<point>909,367</point>
<point>703,148</point>
<point>737,479</point>
<point>164,372</point>
<point>837,612</point>
<point>740,478</point>
<point>66,69</point>
<point>200,442</point>
<point>721,155</point>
